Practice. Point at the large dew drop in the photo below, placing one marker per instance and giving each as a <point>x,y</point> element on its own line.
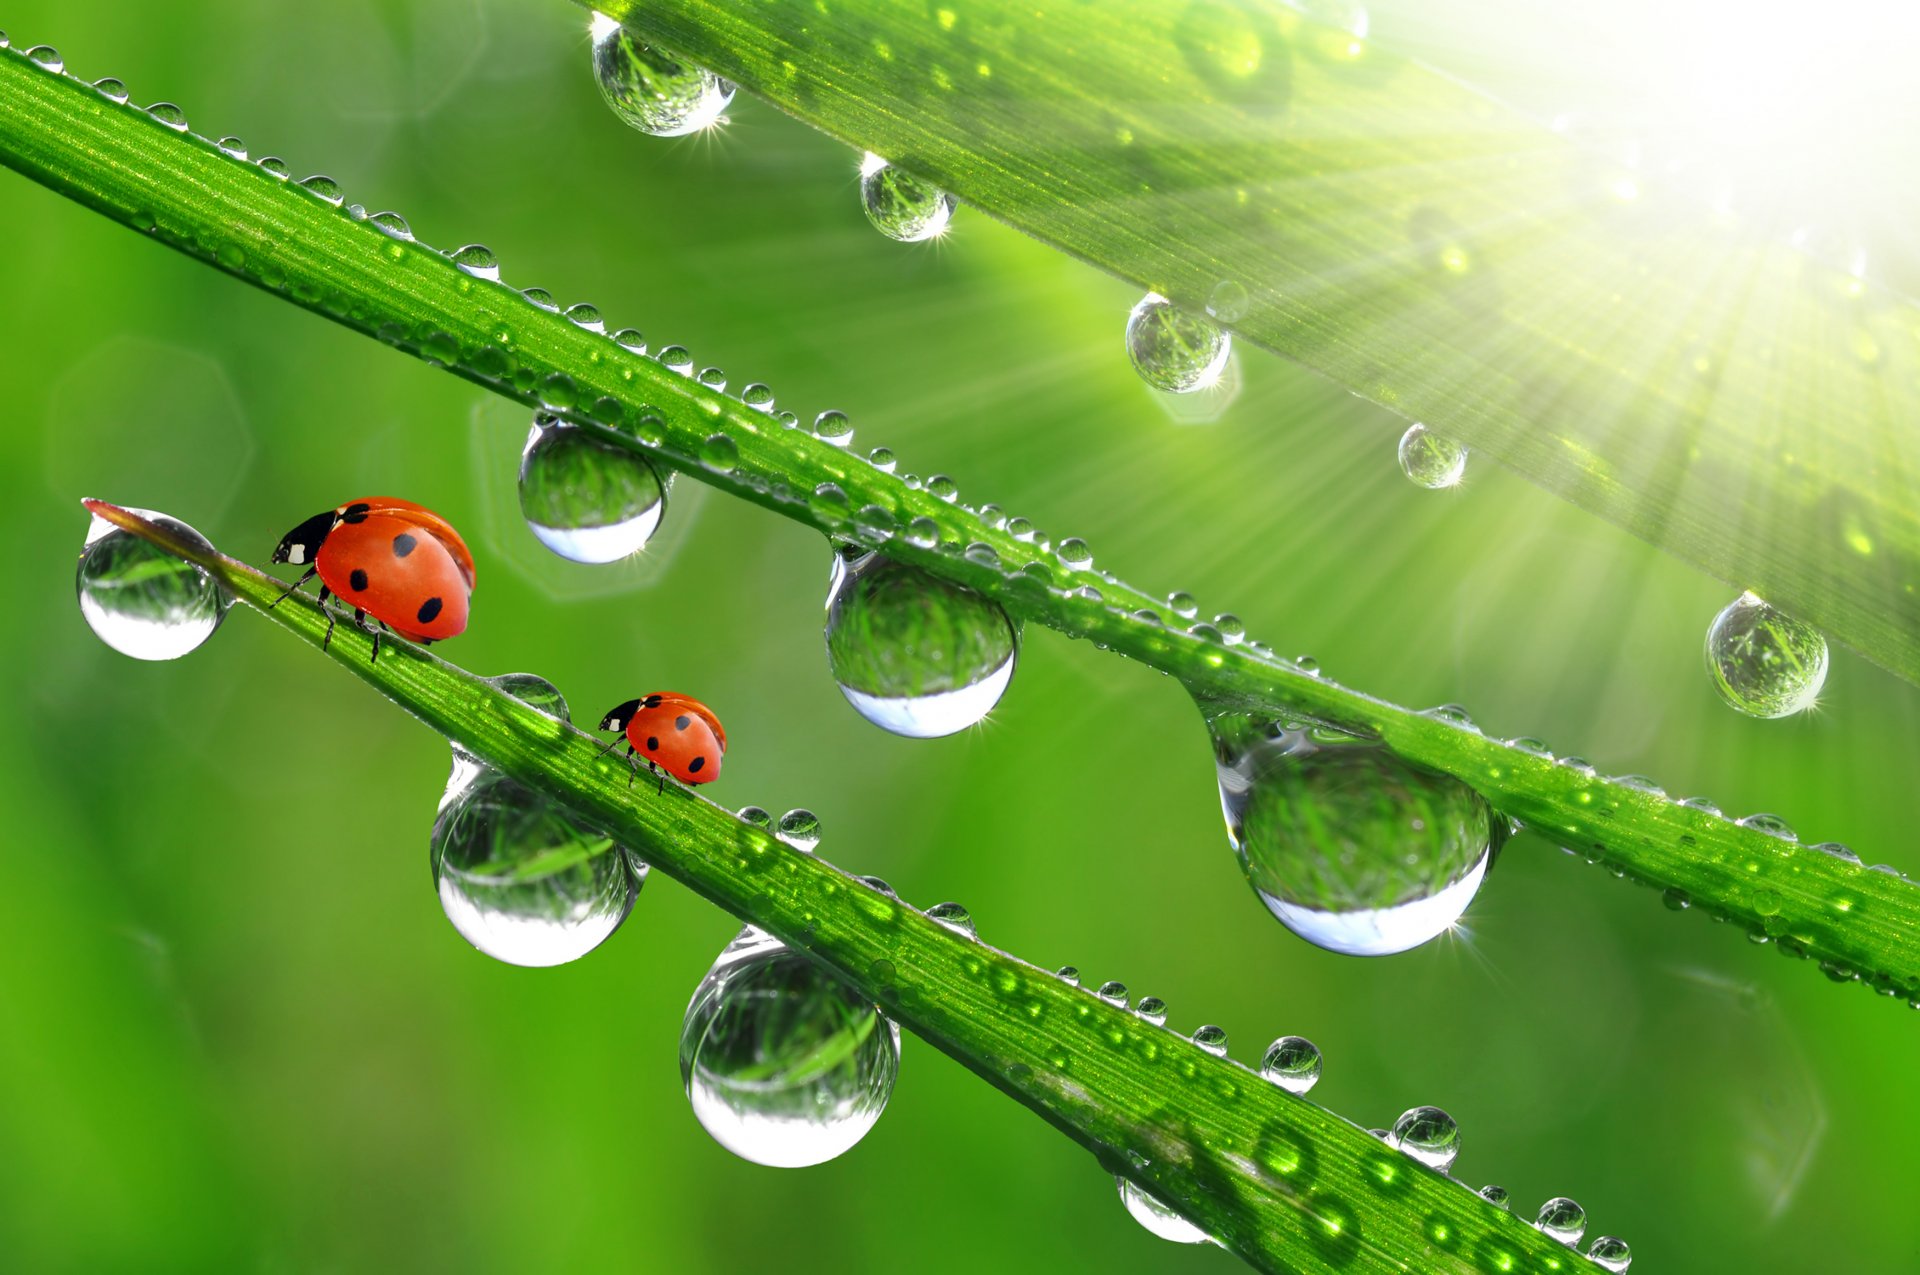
<point>587,500</point>
<point>1161,1220</point>
<point>1352,848</point>
<point>655,91</point>
<point>141,600</point>
<point>900,205</point>
<point>1431,460</point>
<point>1429,1135</point>
<point>522,877</point>
<point>1173,350</point>
<point>1764,663</point>
<point>784,1064</point>
<point>915,654</point>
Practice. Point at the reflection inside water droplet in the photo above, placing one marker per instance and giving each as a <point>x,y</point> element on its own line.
<point>141,600</point>
<point>1765,663</point>
<point>900,205</point>
<point>1173,350</point>
<point>1293,1063</point>
<point>655,91</point>
<point>1562,1219</point>
<point>784,1064</point>
<point>1429,1135</point>
<point>1431,460</point>
<point>1158,1218</point>
<point>586,499</point>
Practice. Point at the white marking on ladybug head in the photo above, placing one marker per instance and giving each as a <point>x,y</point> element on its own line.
<point>297,554</point>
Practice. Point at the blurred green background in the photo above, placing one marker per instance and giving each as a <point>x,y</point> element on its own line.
<point>236,1031</point>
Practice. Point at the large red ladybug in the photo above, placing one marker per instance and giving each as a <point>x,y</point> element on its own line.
<point>676,734</point>
<point>391,559</point>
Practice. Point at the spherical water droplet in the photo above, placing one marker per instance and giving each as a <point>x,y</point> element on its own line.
<point>1228,302</point>
<point>882,459</point>
<point>1152,1009</point>
<point>392,224</point>
<point>713,378</point>
<point>477,260</point>
<point>1113,992</point>
<point>1765,663</point>
<point>913,653</point>
<point>1496,1195</point>
<point>1610,1253</point>
<point>1230,628</point>
<point>325,187</point>
<point>655,91</point>
<point>630,340</point>
<point>141,600</point>
<point>1562,1219</point>
<point>111,89</point>
<point>756,816</point>
<point>587,316</point>
<point>833,427</point>
<point>942,487</point>
<point>170,115</point>
<point>523,878</point>
<point>1183,605</point>
<point>1431,460</point>
<point>758,397</point>
<point>1173,350</point>
<point>1350,847</point>
<point>1429,1135</point>
<point>1212,1039</point>
<point>1772,825</point>
<point>586,499</point>
<point>1073,552</point>
<point>953,916</point>
<point>541,298</point>
<point>923,533</point>
<point>784,1064</point>
<point>800,829</point>
<point>677,358</point>
<point>47,58</point>
<point>900,205</point>
<point>720,453</point>
<point>1068,974</point>
<point>1158,1218</point>
<point>274,165</point>
<point>233,148</point>
<point>1293,1063</point>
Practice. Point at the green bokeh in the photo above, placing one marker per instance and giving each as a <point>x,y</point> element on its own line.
<point>236,1031</point>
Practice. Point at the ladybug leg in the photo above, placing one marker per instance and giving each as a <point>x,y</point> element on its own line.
<point>325,593</point>
<point>360,622</point>
<point>659,774</point>
<point>311,572</point>
<point>613,744</point>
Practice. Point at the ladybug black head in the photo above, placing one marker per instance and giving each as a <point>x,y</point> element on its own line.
<point>618,716</point>
<point>303,542</point>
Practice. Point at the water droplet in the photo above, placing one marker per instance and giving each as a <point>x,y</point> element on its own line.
<point>1562,1219</point>
<point>915,654</point>
<point>677,358</point>
<point>1495,1195</point>
<point>586,499</point>
<point>477,260</point>
<point>392,224</point>
<point>1113,993</point>
<point>586,316</point>
<point>1610,1253</point>
<point>47,58</point>
<point>1293,1063</point>
<point>1068,974</point>
<point>1230,628</point>
<point>900,205</point>
<point>942,487</point>
<point>655,91</point>
<point>1765,663</point>
<point>1350,847</point>
<point>170,115</point>
<point>274,165</point>
<point>1838,851</point>
<point>784,1064</point>
<point>1228,302</point>
<point>630,340</point>
<point>833,427</point>
<point>720,453</point>
<point>141,600</point>
<point>923,533</point>
<point>541,298</point>
<point>233,148</point>
<point>1073,552</point>
<point>756,816</point>
<point>1212,1039</point>
<point>758,397</point>
<point>800,829</point>
<point>1152,1009</point>
<point>1453,715</point>
<point>882,459</point>
<point>713,378</point>
<point>1772,825</point>
<point>325,187</point>
<point>111,89</point>
<point>1183,605</point>
<point>1158,1218</point>
<point>1431,460</point>
<point>1429,1135</point>
<point>953,916</point>
<point>1173,350</point>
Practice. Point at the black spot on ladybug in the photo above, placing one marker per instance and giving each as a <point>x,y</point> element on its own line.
<point>697,765</point>
<point>356,512</point>
<point>403,545</point>
<point>428,610</point>
<point>653,701</point>
<point>653,743</point>
<point>682,722</point>
<point>358,580</point>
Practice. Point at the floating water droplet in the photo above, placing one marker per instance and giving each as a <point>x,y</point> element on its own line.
<point>1073,552</point>
<point>1152,1009</point>
<point>325,187</point>
<point>1158,1218</point>
<point>953,916</point>
<point>141,600</point>
<point>913,653</point>
<point>800,828</point>
<point>1562,1219</point>
<point>1173,350</point>
<point>677,358</point>
<point>587,316</point>
<point>1429,1135</point>
<point>586,499</point>
<point>1293,1063</point>
<point>477,260</point>
<point>720,453</point>
<point>655,91</point>
<point>1351,847</point>
<point>1113,992</point>
<point>111,89</point>
<point>392,224</point>
<point>1431,460</point>
<point>1495,1195</point>
<point>1765,663</point>
<point>784,1064</point>
<point>47,58</point>
<point>170,115</point>
<point>1610,1253</point>
<point>900,205</point>
<point>1212,1039</point>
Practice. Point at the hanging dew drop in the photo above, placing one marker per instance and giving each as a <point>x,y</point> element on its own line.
<point>1429,1135</point>
<point>1430,460</point>
<point>913,653</point>
<point>141,600</point>
<point>1765,663</point>
<point>1610,1253</point>
<point>585,499</point>
<point>1293,1063</point>
<point>1561,1219</point>
<point>1158,1218</point>
<point>1352,848</point>
<point>1173,350</point>
<point>900,205</point>
<point>655,91</point>
<point>784,1064</point>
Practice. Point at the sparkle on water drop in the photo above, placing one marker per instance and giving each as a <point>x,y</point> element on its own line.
<point>900,205</point>
<point>1765,663</point>
<point>1431,460</point>
<point>913,653</point>
<point>1610,1253</point>
<point>1429,1135</point>
<point>655,91</point>
<point>784,1064</point>
<point>586,499</point>
<point>1173,350</point>
<point>141,600</point>
<point>1562,1219</point>
<point>1158,1218</point>
<point>799,828</point>
<point>1293,1063</point>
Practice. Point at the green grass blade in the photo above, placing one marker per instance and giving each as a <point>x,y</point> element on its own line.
<point>181,190</point>
<point>1705,387</point>
<point>1281,1182</point>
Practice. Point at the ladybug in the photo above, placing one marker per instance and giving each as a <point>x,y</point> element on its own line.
<point>396,561</point>
<point>677,734</point>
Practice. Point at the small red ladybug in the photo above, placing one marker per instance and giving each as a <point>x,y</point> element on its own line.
<point>676,733</point>
<point>391,559</point>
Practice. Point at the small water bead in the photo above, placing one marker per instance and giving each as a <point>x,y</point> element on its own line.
<point>655,91</point>
<point>274,165</point>
<point>1183,604</point>
<point>913,653</point>
<point>541,298</point>
<point>1429,1135</point>
<point>1158,1218</point>
<point>1073,552</point>
<point>713,378</point>
<point>1496,1195</point>
<point>1230,628</point>
<point>1113,992</point>
<point>784,1064</point>
<point>1173,350</point>
<point>1068,974</point>
<point>1293,1063</point>
<point>1610,1253</point>
<point>477,260</point>
<point>1765,663</point>
<point>720,453</point>
<point>1229,301</point>
<point>829,500</point>
<point>677,358</point>
<point>942,487</point>
<point>1561,1219</point>
<point>923,533</point>
<point>47,58</point>
<point>586,316</point>
<point>586,499</point>
<point>1529,745</point>
<point>325,187</point>
<point>1838,851</point>
<point>170,115</point>
<point>900,205</point>
<point>1453,715</point>
<point>1152,1009</point>
<point>111,89</point>
<point>1213,1039</point>
<point>393,225</point>
<point>233,148</point>
<point>1431,460</point>
<point>630,340</point>
<point>799,828</point>
<point>882,459</point>
<point>758,397</point>
<point>1772,825</point>
<point>1349,846</point>
<point>755,816</point>
<point>953,916</point>
<point>833,427</point>
<point>141,600</point>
